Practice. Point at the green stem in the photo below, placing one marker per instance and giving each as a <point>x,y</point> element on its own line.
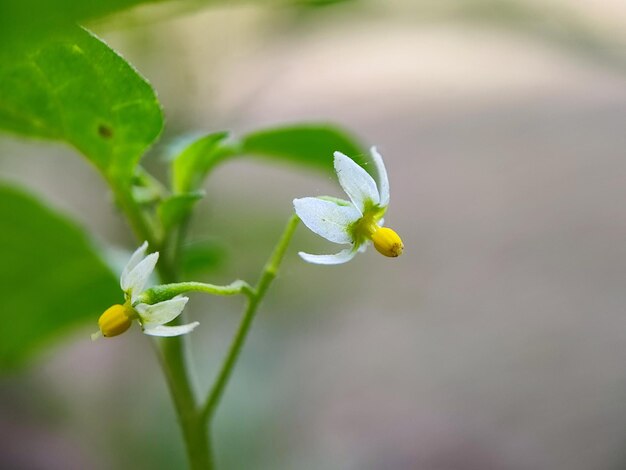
<point>255,298</point>
<point>174,362</point>
<point>194,419</point>
<point>172,354</point>
<point>136,218</point>
<point>168,291</point>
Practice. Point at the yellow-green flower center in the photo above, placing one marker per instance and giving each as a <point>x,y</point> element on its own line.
<point>385,240</point>
<point>364,228</point>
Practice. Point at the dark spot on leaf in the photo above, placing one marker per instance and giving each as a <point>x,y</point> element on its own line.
<point>105,131</point>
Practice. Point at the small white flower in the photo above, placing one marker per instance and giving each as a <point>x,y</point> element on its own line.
<point>152,317</point>
<point>356,222</point>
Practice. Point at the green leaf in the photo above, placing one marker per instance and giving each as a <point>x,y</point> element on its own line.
<point>51,278</point>
<point>176,208</point>
<point>72,87</point>
<point>310,144</point>
<point>192,165</point>
<point>31,17</point>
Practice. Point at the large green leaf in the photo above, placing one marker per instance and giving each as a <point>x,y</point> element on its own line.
<point>309,144</point>
<point>51,279</point>
<point>72,87</point>
<point>19,18</point>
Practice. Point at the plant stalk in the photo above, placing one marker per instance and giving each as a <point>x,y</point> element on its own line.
<point>255,297</point>
<point>195,420</point>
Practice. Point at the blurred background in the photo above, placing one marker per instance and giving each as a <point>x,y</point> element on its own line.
<point>497,341</point>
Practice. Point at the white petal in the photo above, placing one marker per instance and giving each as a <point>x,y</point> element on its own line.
<point>342,257</point>
<point>161,330</point>
<point>327,218</point>
<point>355,181</point>
<point>383,180</point>
<point>135,258</point>
<point>137,278</point>
<point>162,312</point>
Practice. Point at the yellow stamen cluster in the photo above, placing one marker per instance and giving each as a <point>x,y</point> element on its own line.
<point>116,320</point>
<point>387,242</point>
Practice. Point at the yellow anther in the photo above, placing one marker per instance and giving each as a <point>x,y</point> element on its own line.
<point>115,320</point>
<point>387,242</point>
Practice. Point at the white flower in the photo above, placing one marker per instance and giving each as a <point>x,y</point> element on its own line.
<point>356,222</point>
<point>152,317</point>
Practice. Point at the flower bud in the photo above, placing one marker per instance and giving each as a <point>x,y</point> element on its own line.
<point>116,320</point>
<point>387,242</point>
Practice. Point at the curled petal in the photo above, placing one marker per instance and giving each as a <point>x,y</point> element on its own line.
<point>161,330</point>
<point>161,312</point>
<point>327,218</point>
<point>383,180</point>
<point>137,278</point>
<point>356,182</point>
<point>135,258</point>
<point>339,258</point>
